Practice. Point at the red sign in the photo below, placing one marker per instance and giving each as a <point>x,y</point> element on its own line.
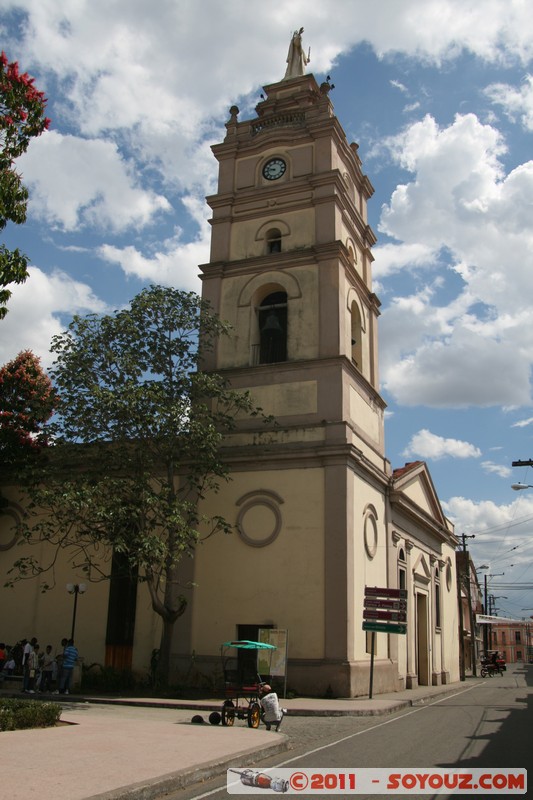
<point>392,616</point>
<point>374,591</point>
<point>380,602</point>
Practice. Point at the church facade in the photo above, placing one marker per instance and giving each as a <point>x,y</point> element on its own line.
<point>318,512</point>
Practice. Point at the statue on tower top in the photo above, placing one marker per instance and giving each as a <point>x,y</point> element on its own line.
<point>296,59</point>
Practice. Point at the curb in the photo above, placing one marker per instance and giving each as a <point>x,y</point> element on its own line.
<point>388,706</point>
<point>174,781</point>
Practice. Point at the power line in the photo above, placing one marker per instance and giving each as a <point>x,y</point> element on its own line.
<point>503,527</point>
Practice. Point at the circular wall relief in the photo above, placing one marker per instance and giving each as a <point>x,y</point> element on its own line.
<point>448,576</point>
<point>259,520</point>
<point>371,535</point>
<point>9,528</point>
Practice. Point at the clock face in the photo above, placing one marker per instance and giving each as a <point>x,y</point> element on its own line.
<point>274,169</point>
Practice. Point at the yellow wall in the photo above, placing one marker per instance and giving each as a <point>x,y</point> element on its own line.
<point>248,237</point>
<point>281,583</point>
<point>26,611</point>
<point>369,561</point>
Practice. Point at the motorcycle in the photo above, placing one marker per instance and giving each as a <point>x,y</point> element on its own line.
<point>491,666</point>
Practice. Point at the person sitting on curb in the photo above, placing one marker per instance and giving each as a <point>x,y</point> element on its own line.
<point>272,713</point>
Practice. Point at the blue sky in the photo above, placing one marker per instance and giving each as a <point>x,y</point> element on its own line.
<point>439,96</point>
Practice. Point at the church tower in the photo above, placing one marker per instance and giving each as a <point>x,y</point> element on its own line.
<point>290,269</point>
<point>291,263</point>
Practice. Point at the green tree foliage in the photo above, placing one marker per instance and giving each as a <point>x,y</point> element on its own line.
<point>138,434</point>
<point>21,118</point>
<point>27,401</point>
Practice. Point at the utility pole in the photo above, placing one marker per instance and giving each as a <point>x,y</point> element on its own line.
<point>473,655</point>
<point>461,628</point>
<point>486,628</point>
<point>488,605</point>
<point>528,463</point>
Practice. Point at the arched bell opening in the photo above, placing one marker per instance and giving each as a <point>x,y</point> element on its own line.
<point>356,336</point>
<point>273,240</point>
<point>272,318</point>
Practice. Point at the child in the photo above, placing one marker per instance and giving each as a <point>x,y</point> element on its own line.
<point>47,670</point>
<point>272,713</point>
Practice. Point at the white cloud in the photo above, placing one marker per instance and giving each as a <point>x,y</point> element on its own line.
<point>496,469</point>
<point>517,103</point>
<point>457,173</point>
<point>140,91</point>
<point>425,444</point>
<point>460,202</point>
<point>78,182</point>
<point>502,535</point>
<point>391,258</point>
<point>176,264</point>
<point>41,308</point>
<point>175,261</point>
<point>523,423</point>
<point>463,369</point>
<point>161,78</point>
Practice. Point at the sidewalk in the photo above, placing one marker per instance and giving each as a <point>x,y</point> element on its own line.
<point>118,748</point>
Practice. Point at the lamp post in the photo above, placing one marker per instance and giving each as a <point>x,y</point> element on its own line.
<point>518,486</point>
<point>75,589</point>
<point>493,598</point>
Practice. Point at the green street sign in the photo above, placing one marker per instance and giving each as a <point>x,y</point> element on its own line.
<point>384,627</point>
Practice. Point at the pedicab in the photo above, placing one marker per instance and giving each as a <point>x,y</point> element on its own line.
<point>242,689</point>
<point>492,664</point>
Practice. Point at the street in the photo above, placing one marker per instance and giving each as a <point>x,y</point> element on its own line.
<point>486,725</point>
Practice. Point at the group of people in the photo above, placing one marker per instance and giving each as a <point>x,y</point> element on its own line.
<point>42,670</point>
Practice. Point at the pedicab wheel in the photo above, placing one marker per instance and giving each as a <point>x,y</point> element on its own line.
<point>254,715</point>
<point>228,713</point>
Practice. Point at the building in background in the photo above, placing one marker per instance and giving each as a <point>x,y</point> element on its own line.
<point>512,638</point>
<point>470,599</point>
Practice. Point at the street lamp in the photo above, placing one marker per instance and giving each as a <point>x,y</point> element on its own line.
<point>518,486</point>
<point>494,597</point>
<point>75,589</point>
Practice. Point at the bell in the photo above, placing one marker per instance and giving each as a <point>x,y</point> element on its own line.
<point>272,324</point>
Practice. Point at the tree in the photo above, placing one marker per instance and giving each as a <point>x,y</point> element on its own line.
<point>21,118</point>
<point>138,435</point>
<point>27,401</point>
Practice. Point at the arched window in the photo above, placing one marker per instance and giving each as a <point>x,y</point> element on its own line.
<point>356,336</point>
<point>402,572</point>
<point>273,240</point>
<point>437,599</point>
<point>273,328</point>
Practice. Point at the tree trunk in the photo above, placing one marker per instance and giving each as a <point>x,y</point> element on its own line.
<point>170,608</point>
<point>165,652</point>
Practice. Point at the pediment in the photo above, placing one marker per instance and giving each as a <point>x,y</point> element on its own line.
<point>421,568</point>
<point>412,485</point>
